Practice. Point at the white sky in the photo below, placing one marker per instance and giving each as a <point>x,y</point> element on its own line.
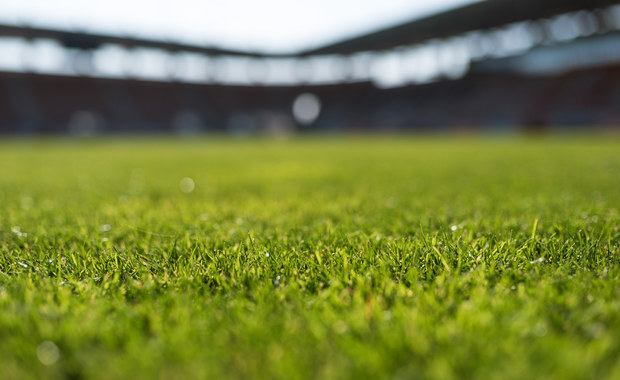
<point>262,25</point>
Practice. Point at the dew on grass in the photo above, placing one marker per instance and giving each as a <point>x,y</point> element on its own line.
<point>105,228</point>
<point>186,185</point>
<point>17,231</point>
<point>276,352</point>
<point>266,254</point>
<point>595,330</point>
<point>104,239</point>
<point>22,264</point>
<point>390,203</point>
<point>47,205</point>
<point>340,327</point>
<point>454,228</point>
<point>26,203</point>
<point>48,353</point>
<point>538,260</point>
<point>539,329</point>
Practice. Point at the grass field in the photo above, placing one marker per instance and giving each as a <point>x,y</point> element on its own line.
<point>320,258</point>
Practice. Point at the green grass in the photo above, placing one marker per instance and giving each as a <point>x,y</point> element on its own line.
<point>346,258</point>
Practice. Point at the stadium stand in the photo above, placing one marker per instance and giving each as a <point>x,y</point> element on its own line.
<point>510,91</point>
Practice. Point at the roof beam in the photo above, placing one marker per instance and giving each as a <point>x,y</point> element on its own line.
<point>91,41</point>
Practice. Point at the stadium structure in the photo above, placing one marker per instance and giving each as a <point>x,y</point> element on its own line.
<point>496,65</point>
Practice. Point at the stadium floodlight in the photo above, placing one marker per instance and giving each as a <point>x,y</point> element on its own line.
<point>306,108</point>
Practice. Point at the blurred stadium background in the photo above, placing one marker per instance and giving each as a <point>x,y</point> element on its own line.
<point>495,65</point>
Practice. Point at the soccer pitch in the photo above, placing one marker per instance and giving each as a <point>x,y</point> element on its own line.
<point>320,258</point>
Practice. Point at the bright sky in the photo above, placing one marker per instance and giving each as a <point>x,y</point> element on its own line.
<point>262,25</point>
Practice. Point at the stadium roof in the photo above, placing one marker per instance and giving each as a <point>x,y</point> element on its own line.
<point>478,16</point>
<point>266,26</point>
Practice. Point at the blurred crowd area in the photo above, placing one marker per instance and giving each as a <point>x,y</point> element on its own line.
<point>581,99</point>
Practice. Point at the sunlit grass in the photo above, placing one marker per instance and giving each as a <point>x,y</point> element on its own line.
<point>317,258</point>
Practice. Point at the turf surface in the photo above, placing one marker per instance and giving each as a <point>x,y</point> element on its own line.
<point>343,258</point>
